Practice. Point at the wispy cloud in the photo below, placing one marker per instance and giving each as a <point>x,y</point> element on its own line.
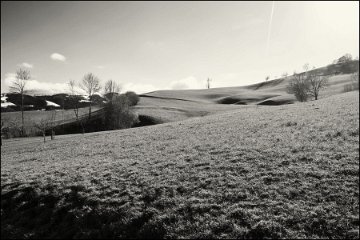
<point>187,83</point>
<point>26,65</point>
<point>58,57</point>
<point>138,88</point>
<point>100,67</point>
<point>34,86</point>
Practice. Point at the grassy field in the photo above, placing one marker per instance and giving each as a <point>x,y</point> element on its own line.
<point>33,117</point>
<point>36,116</point>
<point>289,171</point>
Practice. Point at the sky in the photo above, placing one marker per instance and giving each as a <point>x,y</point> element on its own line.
<point>147,46</point>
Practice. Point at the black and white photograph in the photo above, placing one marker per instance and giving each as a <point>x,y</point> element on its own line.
<point>180,119</point>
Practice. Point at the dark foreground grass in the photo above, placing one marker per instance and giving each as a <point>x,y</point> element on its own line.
<point>259,172</point>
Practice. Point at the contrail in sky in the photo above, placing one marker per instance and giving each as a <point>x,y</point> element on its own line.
<point>270,22</point>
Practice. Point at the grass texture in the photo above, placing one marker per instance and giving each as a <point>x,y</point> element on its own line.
<point>289,171</point>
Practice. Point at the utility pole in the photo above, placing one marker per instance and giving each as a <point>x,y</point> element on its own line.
<point>208,83</point>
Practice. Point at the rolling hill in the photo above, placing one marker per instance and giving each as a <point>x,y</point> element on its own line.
<point>289,171</point>
<point>176,105</point>
<point>173,105</point>
<point>223,164</point>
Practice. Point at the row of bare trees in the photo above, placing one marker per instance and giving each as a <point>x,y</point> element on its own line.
<point>19,86</point>
<point>117,108</point>
<point>343,61</point>
<point>90,84</point>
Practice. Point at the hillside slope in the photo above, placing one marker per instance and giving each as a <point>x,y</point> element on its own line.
<point>288,171</point>
<point>175,105</point>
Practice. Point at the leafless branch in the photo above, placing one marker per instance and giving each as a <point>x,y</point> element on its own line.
<point>90,84</point>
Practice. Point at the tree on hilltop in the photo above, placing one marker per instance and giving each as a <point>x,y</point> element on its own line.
<point>344,59</point>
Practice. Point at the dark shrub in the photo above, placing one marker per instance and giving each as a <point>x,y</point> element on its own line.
<point>118,114</point>
<point>133,98</point>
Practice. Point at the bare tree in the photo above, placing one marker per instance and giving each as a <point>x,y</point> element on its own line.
<point>299,86</point>
<point>47,124</point>
<point>111,88</point>
<point>43,125</point>
<point>18,86</point>
<point>306,67</point>
<point>316,83</point>
<point>308,83</point>
<point>90,84</point>
<point>74,99</point>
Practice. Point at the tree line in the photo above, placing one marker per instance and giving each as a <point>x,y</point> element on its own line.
<point>339,65</point>
<point>117,113</point>
<point>309,83</point>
